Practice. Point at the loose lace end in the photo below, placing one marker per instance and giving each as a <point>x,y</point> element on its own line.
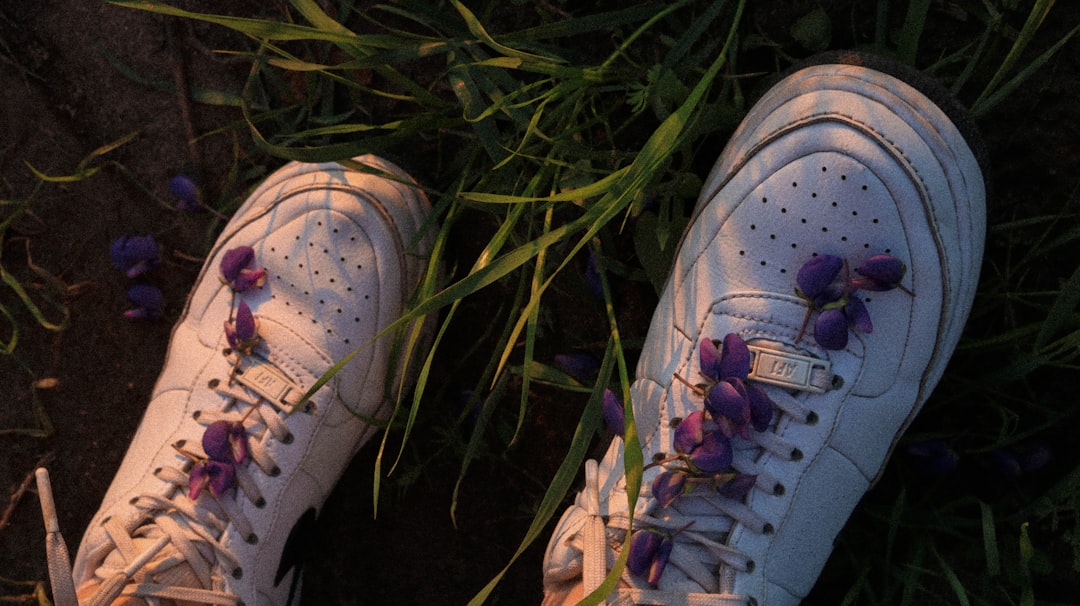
<point>63,585</point>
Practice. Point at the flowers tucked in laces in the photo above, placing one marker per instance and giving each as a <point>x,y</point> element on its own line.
<point>238,270</point>
<point>148,302</point>
<point>732,407</point>
<point>735,404</point>
<point>242,333</point>
<point>134,255</point>
<point>219,477</point>
<point>829,288</point>
<point>649,553</point>
<point>226,442</point>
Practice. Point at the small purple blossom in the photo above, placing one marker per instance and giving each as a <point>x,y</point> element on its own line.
<point>148,301</point>
<point>736,485</point>
<point>644,545</point>
<point>216,475</point>
<point>614,412</point>
<point>734,404</point>
<point>582,366</point>
<point>668,486</point>
<point>933,458</point>
<point>817,275</point>
<point>840,309</point>
<point>243,333</point>
<point>690,432</point>
<point>186,192</point>
<point>709,359</point>
<point>649,554</point>
<point>226,442</point>
<point>134,255</point>
<point>713,454</point>
<point>879,273</point>
<point>238,269</point>
<point>831,329</point>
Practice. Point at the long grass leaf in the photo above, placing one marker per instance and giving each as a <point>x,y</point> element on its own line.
<point>1027,33</point>
<point>566,474</point>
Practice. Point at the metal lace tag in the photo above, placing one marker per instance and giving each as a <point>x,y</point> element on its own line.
<point>262,377</point>
<point>787,369</point>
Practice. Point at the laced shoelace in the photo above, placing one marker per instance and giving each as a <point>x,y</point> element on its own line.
<point>174,520</point>
<point>701,517</point>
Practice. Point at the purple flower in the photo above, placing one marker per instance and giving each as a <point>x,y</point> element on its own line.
<point>709,359</point>
<point>225,442</point>
<point>831,329</point>
<point>729,406</point>
<point>690,432</point>
<point>243,333</point>
<point>238,269</point>
<point>736,485</point>
<point>614,413</point>
<point>134,255</point>
<point>218,476</point>
<point>761,407</point>
<point>832,325</point>
<point>660,560</point>
<point>817,275</point>
<point>186,192</point>
<point>649,553</point>
<point>644,544</point>
<point>879,273</point>
<point>857,315</point>
<point>733,361</point>
<point>148,302</point>
<point>933,458</point>
<point>713,454</point>
<point>582,366</point>
<point>668,486</point>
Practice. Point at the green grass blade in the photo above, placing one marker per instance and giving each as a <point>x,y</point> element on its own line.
<point>1027,34</point>
<point>565,476</point>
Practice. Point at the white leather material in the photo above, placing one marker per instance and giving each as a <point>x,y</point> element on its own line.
<point>838,160</point>
<point>343,253</point>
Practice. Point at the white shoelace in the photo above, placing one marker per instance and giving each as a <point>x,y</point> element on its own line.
<point>183,532</point>
<point>703,517</point>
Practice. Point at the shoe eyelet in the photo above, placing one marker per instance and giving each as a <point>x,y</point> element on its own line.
<point>252,539</point>
<point>275,472</point>
<point>767,529</point>
<point>796,454</point>
<point>750,566</point>
<point>213,383</point>
<point>238,573</point>
<point>812,418</point>
<point>837,382</point>
<point>260,503</point>
<point>779,490</point>
<point>288,439</point>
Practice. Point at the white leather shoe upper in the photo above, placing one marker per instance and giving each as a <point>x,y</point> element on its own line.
<point>834,159</point>
<point>343,254</point>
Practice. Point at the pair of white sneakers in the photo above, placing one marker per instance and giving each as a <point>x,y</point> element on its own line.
<point>848,200</point>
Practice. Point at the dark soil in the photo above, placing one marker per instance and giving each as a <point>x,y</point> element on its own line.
<point>61,98</point>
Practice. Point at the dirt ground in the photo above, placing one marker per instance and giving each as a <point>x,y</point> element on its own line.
<point>61,98</point>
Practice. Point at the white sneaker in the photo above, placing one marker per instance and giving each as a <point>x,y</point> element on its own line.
<point>343,254</point>
<point>837,162</point>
